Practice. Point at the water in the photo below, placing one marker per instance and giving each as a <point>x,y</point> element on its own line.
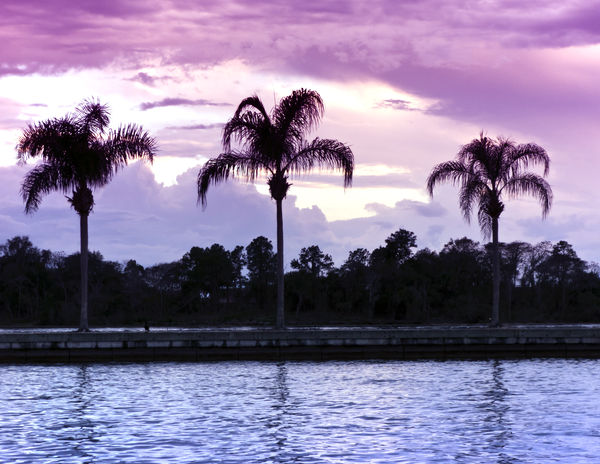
<point>530,411</point>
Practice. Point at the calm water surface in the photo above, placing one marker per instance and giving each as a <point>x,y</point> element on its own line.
<point>538,411</point>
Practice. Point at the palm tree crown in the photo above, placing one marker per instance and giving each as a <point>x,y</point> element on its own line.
<point>485,169</point>
<point>274,144</point>
<point>78,153</point>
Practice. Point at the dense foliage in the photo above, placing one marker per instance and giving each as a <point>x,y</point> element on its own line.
<point>394,283</point>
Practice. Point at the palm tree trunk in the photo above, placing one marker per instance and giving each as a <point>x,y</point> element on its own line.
<point>83,229</point>
<point>496,275</point>
<point>508,314</point>
<point>280,323</point>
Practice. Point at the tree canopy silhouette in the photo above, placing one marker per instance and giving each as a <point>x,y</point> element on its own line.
<point>79,153</point>
<point>274,144</point>
<point>550,284</point>
<point>486,169</point>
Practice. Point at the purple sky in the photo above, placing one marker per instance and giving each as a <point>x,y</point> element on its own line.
<point>404,83</point>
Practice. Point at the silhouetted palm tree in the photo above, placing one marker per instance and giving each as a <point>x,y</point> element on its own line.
<point>78,153</point>
<point>274,144</point>
<point>485,169</point>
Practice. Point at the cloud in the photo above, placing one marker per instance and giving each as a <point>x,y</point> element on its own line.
<point>145,78</point>
<point>134,217</point>
<point>198,126</point>
<point>396,104</point>
<point>527,70</point>
<point>336,179</point>
<point>470,56</point>
<point>430,31</point>
<point>9,114</point>
<point>179,102</point>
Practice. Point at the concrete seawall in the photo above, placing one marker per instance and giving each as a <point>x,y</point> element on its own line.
<point>440,342</point>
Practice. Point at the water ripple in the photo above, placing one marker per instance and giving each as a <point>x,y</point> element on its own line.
<point>526,411</point>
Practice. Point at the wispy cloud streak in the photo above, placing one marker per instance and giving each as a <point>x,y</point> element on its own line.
<point>179,102</point>
<point>198,126</point>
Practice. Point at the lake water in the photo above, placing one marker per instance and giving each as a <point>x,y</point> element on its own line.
<point>530,411</point>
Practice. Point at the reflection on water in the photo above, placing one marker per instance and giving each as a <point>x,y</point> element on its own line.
<point>83,428</point>
<point>277,422</point>
<point>304,412</point>
<point>497,405</point>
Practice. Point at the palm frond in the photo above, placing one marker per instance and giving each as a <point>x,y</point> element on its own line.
<point>248,119</point>
<point>525,155</point>
<point>127,143</point>
<point>93,117</point>
<point>453,171</point>
<point>325,153</point>
<point>51,140</point>
<point>298,113</point>
<point>92,163</point>
<point>41,180</point>
<point>534,185</point>
<point>250,130</point>
<point>249,104</point>
<point>483,217</point>
<point>470,192</point>
<point>473,150</point>
<point>503,149</point>
<point>480,155</point>
<point>228,165</point>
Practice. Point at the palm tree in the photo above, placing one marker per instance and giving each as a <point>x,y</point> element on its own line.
<point>275,144</point>
<point>485,169</point>
<point>79,153</point>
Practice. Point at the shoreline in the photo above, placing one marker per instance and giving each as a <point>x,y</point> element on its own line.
<point>299,343</point>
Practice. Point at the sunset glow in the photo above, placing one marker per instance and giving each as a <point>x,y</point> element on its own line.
<point>404,84</point>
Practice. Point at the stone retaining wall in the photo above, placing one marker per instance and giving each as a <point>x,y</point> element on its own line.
<point>302,343</point>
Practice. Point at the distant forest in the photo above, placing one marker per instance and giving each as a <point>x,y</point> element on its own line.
<point>393,284</point>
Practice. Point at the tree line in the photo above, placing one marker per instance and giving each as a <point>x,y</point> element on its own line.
<point>395,283</point>
<point>78,153</point>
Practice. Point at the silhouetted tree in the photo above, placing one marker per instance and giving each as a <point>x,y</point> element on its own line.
<point>425,273</point>
<point>166,278</point>
<point>78,153</point>
<point>535,256</point>
<point>385,265</point>
<point>134,286</point>
<point>237,258</point>
<point>206,272</point>
<point>313,261</point>
<point>398,245</point>
<point>275,144</point>
<point>461,273</point>
<point>312,264</point>
<point>357,261</point>
<point>107,291</point>
<point>513,257</point>
<point>355,278</point>
<point>24,278</point>
<point>486,169</point>
<point>42,287</point>
<point>261,268</point>
<point>562,269</point>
